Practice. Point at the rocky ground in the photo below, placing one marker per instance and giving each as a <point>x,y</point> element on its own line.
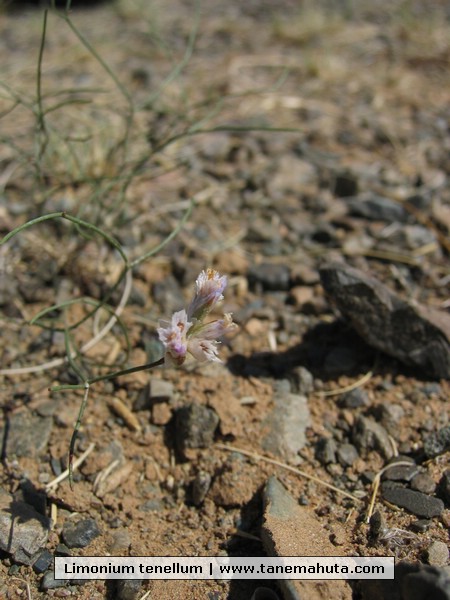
<point>314,140</point>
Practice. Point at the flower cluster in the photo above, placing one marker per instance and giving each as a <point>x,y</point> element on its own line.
<point>187,332</point>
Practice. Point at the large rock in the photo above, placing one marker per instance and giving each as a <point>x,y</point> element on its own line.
<point>23,531</point>
<point>416,335</point>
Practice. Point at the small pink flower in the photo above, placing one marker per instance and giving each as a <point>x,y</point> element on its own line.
<point>203,338</point>
<point>209,287</point>
<point>204,350</point>
<point>174,337</point>
<point>187,333</point>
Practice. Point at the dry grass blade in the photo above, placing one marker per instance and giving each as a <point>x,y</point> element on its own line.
<point>65,474</point>
<point>348,388</point>
<point>376,485</point>
<point>287,467</point>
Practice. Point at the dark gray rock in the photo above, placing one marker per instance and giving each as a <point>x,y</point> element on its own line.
<point>369,435</point>
<point>269,276</point>
<point>421,525</point>
<point>200,487</point>
<point>376,208</point>
<point>432,389</point>
<point>48,582</point>
<point>416,335</point>
<point>129,589</point>
<point>326,449</point>
<point>400,472</point>
<point>80,534</point>
<point>414,502</point>
<point>282,504</point>
<point>413,581</point>
<point>378,526</point>
<point>444,487</point>
<point>437,442</point>
<point>23,531</point>
<point>426,584</point>
<point>195,426</point>
<point>347,454</point>
<point>43,561</point>
<point>354,399</point>
<point>287,423</point>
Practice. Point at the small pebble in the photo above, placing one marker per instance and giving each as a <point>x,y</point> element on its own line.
<point>80,534</point>
<point>354,399</point>
<point>437,554</point>
<point>161,413</point>
<point>326,449</point>
<point>128,589</point>
<point>444,487</point>
<point>390,416</point>
<point>400,472</point>
<point>437,442</point>
<point>369,435</point>
<point>43,561</point>
<point>161,390</point>
<point>195,426</point>
<point>378,526</point>
<point>200,487</point>
<point>422,482</point>
<point>347,454</point>
<point>421,525</point>
<point>48,582</point>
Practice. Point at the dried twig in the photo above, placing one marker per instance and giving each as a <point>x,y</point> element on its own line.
<point>348,388</point>
<point>277,463</point>
<point>376,484</point>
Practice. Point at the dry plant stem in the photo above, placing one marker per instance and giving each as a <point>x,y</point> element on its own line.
<point>288,468</point>
<point>27,587</point>
<point>57,362</point>
<point>87,385</point>
<point>364,379</point>
<point>65,474</point>
<point>376,485</point>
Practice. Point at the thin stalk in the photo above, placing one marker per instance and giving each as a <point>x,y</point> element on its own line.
<point>83,405</point>
<point>42,136</point>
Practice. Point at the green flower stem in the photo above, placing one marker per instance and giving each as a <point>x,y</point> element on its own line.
<point>86,387</point>
<point>88,382</point>
<point>76,221</point>
<point>156,363</point>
